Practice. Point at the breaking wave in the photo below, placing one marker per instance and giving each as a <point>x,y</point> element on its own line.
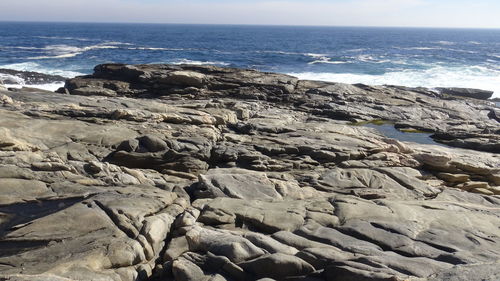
<point>66,51</point>
<point>196,62</point>
<point>32,66</point>
<point>468,77</point>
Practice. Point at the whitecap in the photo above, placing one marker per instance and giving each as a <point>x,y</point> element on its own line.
<point>157,49</point>
<point>422,48</point>
<point>314,55</point>
<point>35,67</point>
<point>479,77</point>
<point>22,48</point>
<point>371,59</point>
<point>444,42</point>
<point>327,60</point>
<point>48,87</point>
<point>117,43</point>
<point>66,38</point>
<point>365,58</point>
<point>8,77</point>
<point>279,52</point>
<point>66,51</point>
<point>54,57</point>
<point>195,62</point>
<point>357,50</point>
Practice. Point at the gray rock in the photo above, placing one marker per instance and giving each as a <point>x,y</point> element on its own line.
<point>185,78</point>
<point>277,266</point>
<point>196,173</point>
<point>236,183</point>
<point>466,92</point>
<point>468,272</point>
<point>235,248</point>
<point>93,91</point>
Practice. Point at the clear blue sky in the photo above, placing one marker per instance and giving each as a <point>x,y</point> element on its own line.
<point>425,13</point>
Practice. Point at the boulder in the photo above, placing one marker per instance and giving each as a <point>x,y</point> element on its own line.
<point>185,78</point>
<point>93,91</point>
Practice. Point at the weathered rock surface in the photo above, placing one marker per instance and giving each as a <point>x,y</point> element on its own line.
<point>158,172</point>
<point>465,92</point>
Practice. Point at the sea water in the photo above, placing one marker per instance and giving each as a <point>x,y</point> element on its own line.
<point>398,56</point>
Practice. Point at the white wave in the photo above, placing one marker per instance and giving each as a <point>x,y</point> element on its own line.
<point>13,81</point>
<point>365,58</point>
<point>421,48</point>
<point>462,51</point>
<point>468,77</point>
<point>157,49</point>
<point>322,59</point>
<point>474,43</point>
<point>22,48</point>
<point>54,57</point>
<point>66,51</point>
<point>279,52</point>
<point>32,66</point>
<point>48,87</point>
<point>444,43</point>
<point>327,60</point>
<point>313,55</point>
<point>66,38</point>
<point>11,78</point>
<point>357,50</point>
<point>371,59</point>
<point>439,49</point>
<point>195,62</point>
<point>117,43</point>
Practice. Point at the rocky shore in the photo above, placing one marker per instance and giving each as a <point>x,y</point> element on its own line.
<point>161,172</point>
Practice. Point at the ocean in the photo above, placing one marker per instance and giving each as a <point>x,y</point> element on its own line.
<point>369,55</point>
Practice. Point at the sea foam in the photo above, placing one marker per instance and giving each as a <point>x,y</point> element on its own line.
<point>48,87</point>
<point>196,62</point>
<point>467,77</point>
<point>35,67</point>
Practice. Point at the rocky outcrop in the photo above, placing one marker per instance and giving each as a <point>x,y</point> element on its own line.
<point>158,172</point>
<point>467,92</point>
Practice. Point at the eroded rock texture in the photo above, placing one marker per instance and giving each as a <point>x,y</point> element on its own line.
<point>157,172</point>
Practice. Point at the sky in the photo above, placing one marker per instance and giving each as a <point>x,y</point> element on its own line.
<point>404,13</point>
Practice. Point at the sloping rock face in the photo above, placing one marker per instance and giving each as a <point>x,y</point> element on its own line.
<point>465,92</point>
<point>158,172</point>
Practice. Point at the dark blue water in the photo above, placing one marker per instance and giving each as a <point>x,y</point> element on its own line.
<point>404,56</point>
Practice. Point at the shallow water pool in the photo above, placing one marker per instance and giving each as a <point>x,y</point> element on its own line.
<point>388,130</point>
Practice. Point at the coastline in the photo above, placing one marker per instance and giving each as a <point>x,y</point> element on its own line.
<point>408,57</point>
<point>49,82</point>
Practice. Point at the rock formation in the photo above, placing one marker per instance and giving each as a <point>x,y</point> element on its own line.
<point>159,172</point>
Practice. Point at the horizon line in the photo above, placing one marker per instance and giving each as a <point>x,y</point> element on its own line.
<point>247,24</point>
